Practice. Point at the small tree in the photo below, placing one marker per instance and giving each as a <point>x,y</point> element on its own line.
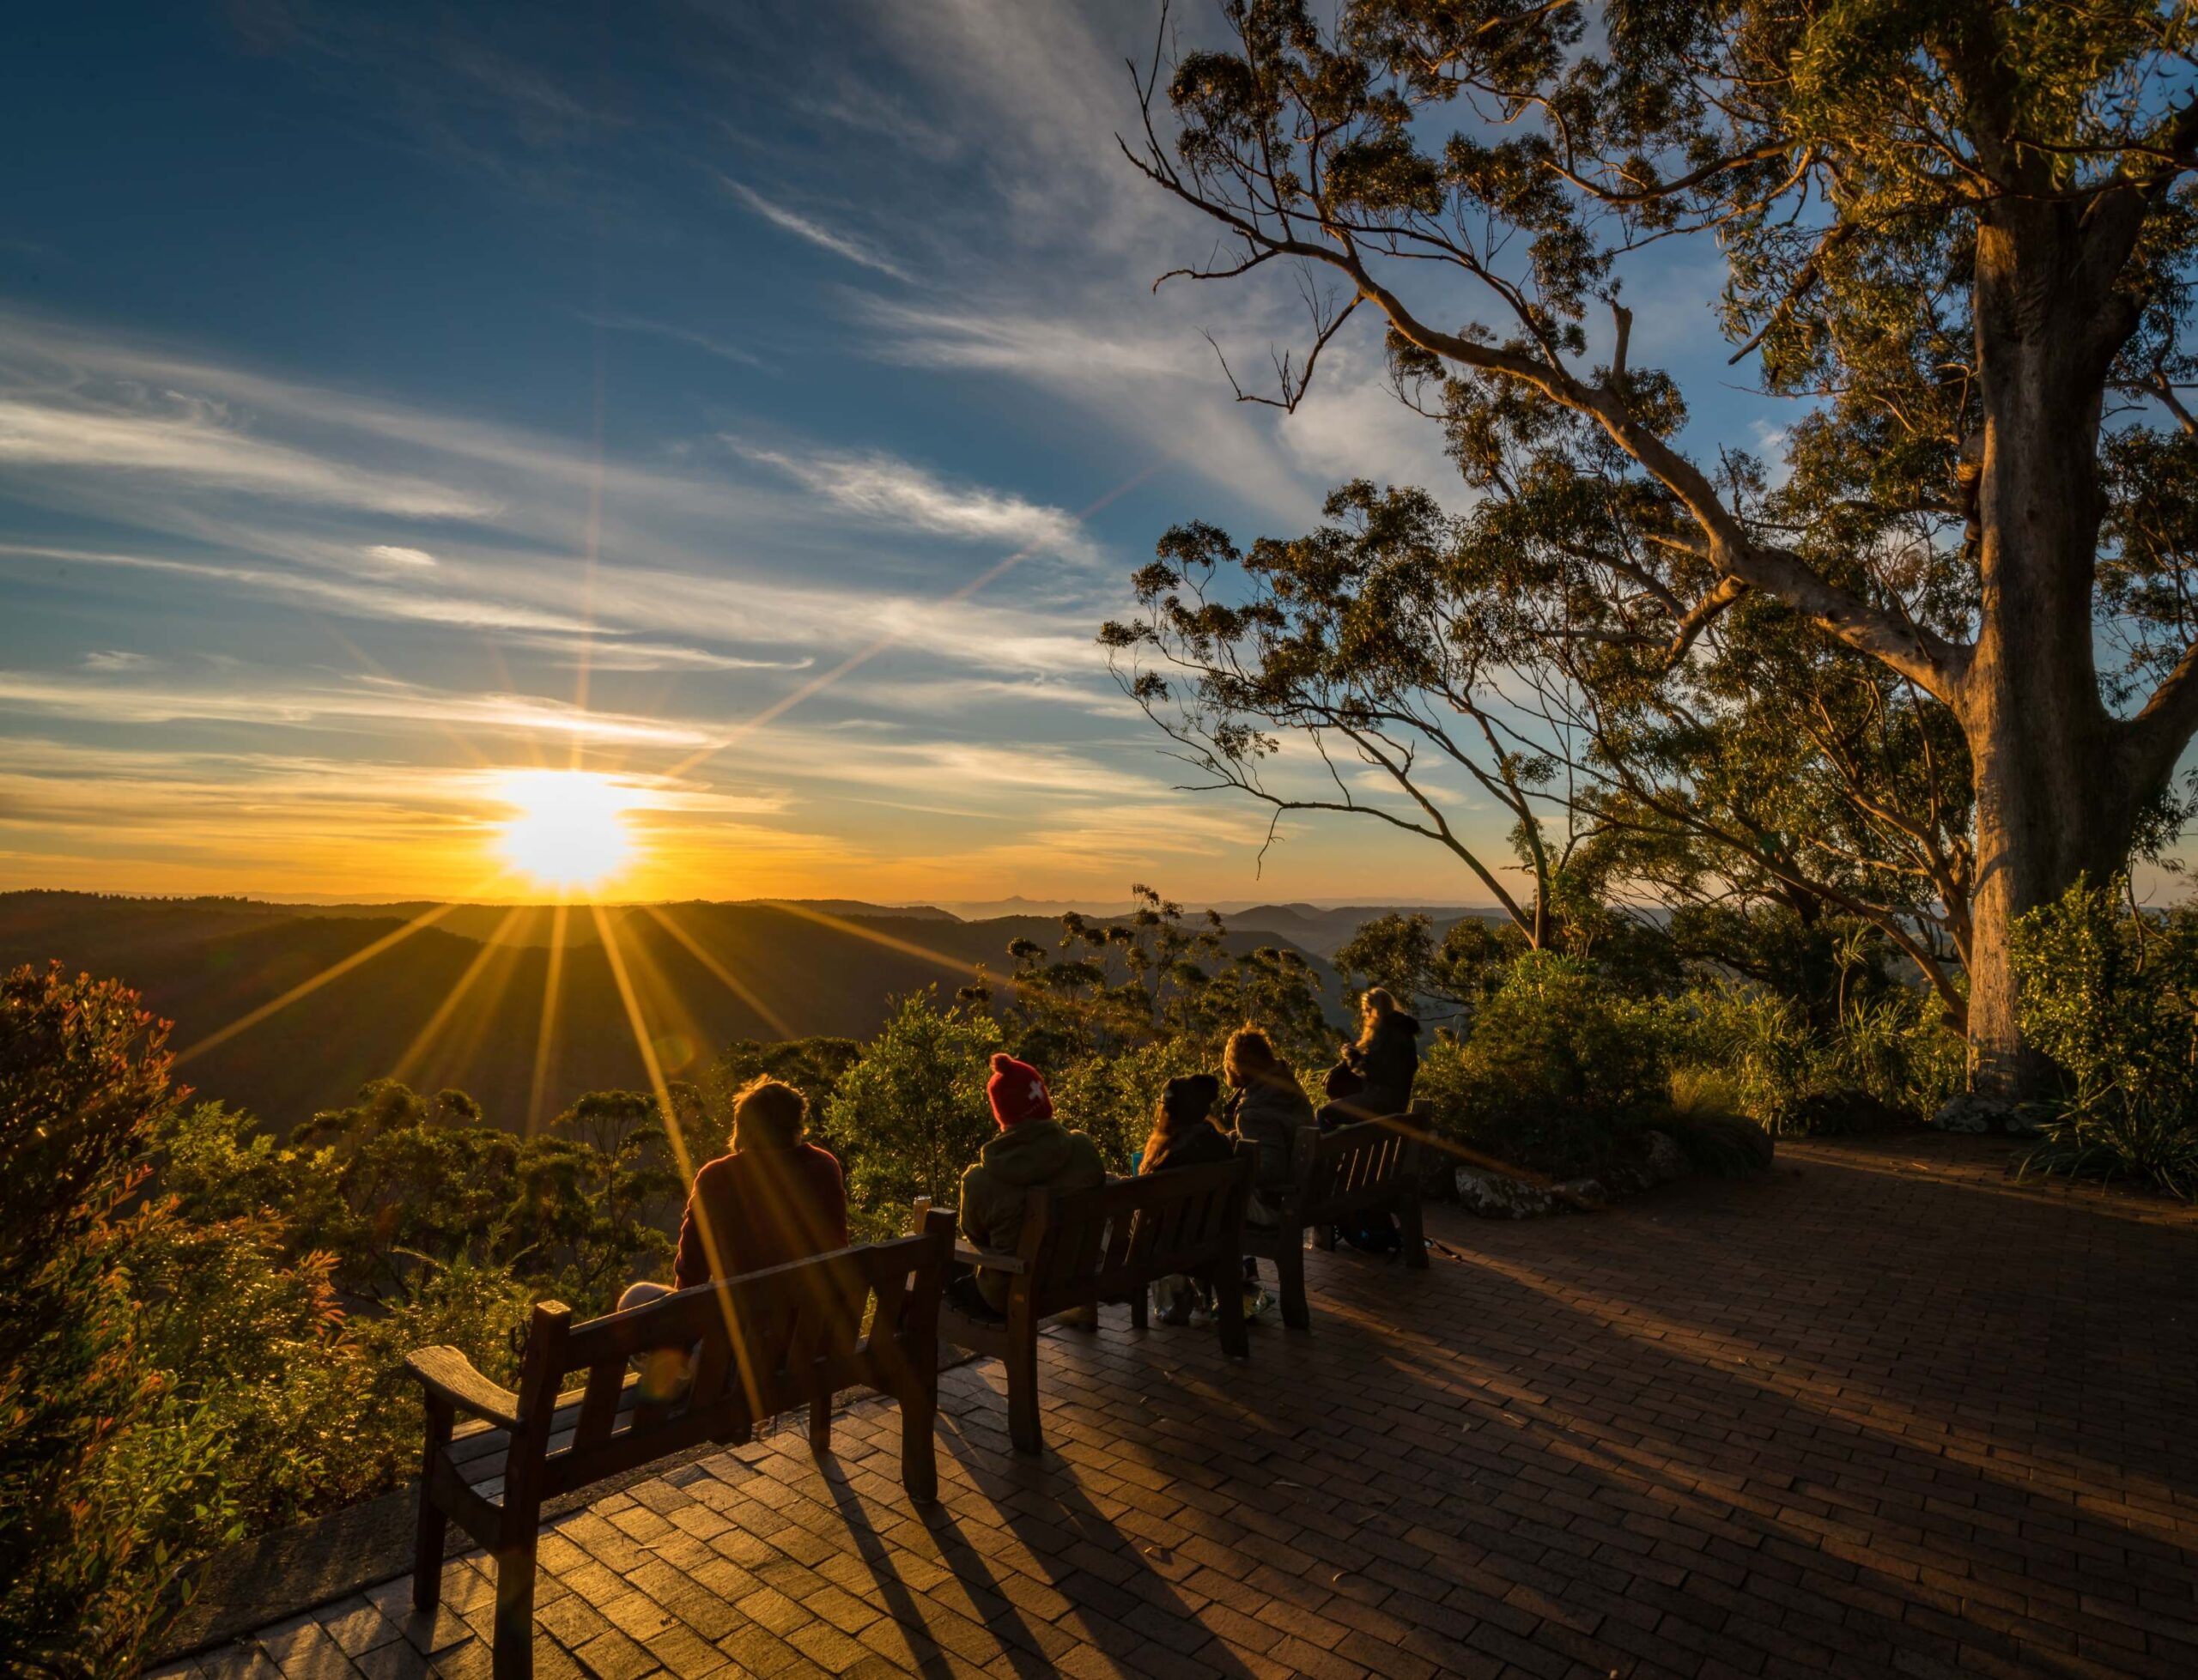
<point>911,1113</point>
<point>812,1066</point>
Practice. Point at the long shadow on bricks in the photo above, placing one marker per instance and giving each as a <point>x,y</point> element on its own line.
<point>876,1555</point>
<point>1116,1594</point>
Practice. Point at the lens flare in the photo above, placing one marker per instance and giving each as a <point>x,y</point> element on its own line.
<point>568,828</point>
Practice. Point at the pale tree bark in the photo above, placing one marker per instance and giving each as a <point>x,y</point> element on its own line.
<point>2059,781</point>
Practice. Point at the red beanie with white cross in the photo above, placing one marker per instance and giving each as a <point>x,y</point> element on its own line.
<point>1018,1092</point>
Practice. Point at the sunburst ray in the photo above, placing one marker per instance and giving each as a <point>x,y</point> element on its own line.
<point>422,1040</point>
<point>336,970</point>
<point>717,971</point>
<point>662,1091</point>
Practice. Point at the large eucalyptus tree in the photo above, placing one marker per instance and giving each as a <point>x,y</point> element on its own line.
<point>1958,231</point>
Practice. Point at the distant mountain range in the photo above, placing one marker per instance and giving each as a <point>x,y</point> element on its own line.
<point>458,1001</point>
<point>1323,929</point>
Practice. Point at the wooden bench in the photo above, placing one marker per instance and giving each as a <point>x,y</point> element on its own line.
<point>1372,1166</point>
<point>1084,1247</point>
<point>764,1343</point>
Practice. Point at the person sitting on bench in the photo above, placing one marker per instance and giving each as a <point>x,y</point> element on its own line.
<point>1183,1134</point>
<point>773,1198</point>
<point>1373,1081</point>
<point>1033,1151</point>
<point>1373,1077</point>
<point>1267,1110</point>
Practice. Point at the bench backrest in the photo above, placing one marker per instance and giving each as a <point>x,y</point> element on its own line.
<point>1362,1166</point>
<point>1081,1247</point>
<point>763,1343</point>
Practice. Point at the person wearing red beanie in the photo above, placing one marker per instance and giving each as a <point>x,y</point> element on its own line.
<point>1033,1151</point>
<point>1017,1093</point>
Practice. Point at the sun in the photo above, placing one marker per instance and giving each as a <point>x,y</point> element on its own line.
<point>568,829</point>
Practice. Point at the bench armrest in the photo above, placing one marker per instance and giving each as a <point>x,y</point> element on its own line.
<point>449,1375</point>
<point>988,1259</point>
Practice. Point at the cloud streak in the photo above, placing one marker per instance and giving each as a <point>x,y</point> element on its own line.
<point>816,232</point>
<point>892,491</point>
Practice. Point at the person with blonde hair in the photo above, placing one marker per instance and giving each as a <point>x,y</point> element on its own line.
<point>1373,1082</point>
<point>1373,1077</point>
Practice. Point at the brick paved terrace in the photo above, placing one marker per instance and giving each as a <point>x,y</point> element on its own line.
<point>1881,1412</point>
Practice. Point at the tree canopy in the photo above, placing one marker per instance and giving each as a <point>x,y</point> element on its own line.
<point>1928,666</point>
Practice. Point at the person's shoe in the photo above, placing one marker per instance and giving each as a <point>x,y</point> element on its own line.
<point>1257,1303</point>
<point>1178,1312</point>
<point>1081,1318</point>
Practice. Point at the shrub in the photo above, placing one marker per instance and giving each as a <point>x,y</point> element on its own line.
<point>83,1079</point>
<point>1557,1068</point>
<point>2113,999</point>
<point>812,1066</point>
<point>1887,1060</point>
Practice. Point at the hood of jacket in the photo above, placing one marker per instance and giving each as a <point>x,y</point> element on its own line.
<point>1276,1095</point>
<point>1030,1154</point>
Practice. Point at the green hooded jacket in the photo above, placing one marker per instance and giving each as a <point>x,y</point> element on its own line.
<point>1037,1154</point>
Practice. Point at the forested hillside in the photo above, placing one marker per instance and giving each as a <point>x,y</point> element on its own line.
<point>207,963</point>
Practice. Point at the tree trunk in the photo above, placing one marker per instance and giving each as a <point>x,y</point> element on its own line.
<point>2052,797</point>
<point>2040,824</point>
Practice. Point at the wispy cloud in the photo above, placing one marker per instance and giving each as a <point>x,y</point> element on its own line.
<point>708,343</point>
<point>895,492</point>
<point>808,227</point>
<point>392,554</point>
<point>261,699</point>
<point>196,442</point>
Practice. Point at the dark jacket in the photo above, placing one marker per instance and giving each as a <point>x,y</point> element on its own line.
<point>1195,1143</point>
<point>1037,1154</point>
<point>762,1207</point>
<point>1387,1064</point>
<point>1268,1115</point>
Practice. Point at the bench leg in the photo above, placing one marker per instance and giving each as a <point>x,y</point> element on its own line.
<point>820,1425</point>
<point>1415,1234</point>
<point>1022,1363</point>
<point>1324,1239</point>
<point>428,1544</point>
<point>1139,1304</point>
<point>919,1446</point>
<point>1289,1275</point>
<point>1229,1310</point>
<point>514,1653</point>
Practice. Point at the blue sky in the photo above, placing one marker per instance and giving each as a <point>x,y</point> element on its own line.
<point>394,397</point>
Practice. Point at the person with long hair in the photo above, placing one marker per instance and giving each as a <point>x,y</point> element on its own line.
<point>773,1198</point>
<point>1183,1134</point>
<point>1372,1079</point>
<point>1268,1108</point>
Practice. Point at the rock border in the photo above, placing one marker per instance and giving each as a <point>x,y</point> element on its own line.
<point>1493,1195</point>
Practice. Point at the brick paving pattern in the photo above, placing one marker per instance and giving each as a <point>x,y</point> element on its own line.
<point>1879,1413</point>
